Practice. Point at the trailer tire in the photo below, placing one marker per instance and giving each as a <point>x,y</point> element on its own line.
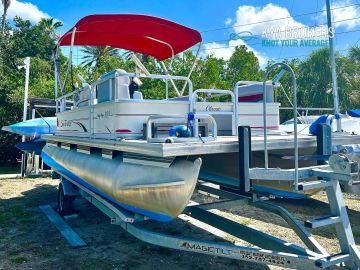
<point>65,202</point>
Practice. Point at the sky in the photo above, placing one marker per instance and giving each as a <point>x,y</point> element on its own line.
<point>224,24</point>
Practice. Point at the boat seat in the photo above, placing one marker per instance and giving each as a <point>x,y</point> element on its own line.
<point>137,95</point>
<point>122,91</point>
<point>122,86</point>
<point>113,85</point>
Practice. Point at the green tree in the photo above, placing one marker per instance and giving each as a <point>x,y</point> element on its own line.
<point>211,74</point>
<point>6,5</point>
<point>94,55</point>
<point>354,55</point>
<point>27,40</point>
<point>51,26</point>
<point>315,83</point>
<point>31,40</point>
<point>243,65</point>
<point>353,79</point>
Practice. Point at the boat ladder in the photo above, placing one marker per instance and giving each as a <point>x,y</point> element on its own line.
<point>327,177</point>
<point>323,176</point>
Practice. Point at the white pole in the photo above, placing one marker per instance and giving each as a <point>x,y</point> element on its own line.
<point>26,94</point>
<point>331,34</point>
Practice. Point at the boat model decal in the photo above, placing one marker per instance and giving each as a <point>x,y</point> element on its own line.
<point>105,114</point>
<point>212,109</point>
<point>65,123</point>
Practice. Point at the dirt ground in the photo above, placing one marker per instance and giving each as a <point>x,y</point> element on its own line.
<point>29,241</point>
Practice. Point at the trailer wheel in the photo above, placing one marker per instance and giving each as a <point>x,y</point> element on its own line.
<point>65,202</point>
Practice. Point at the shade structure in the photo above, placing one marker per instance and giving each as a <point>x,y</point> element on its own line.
<point>144,34</point>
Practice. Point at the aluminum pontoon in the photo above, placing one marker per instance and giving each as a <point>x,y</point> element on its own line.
<point>137,159</point>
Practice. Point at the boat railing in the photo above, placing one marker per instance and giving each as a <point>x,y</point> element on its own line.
<point>61,101</point>
<point>284,68</point>
<point>165,78</point>
<point>174,119</point>
<point>233,113</point>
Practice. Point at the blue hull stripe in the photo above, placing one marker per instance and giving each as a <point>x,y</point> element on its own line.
<point>257,188</point>
<point>52,163</point>
<point>278,192</point>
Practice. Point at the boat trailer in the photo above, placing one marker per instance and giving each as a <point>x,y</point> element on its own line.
<point>269,249</point>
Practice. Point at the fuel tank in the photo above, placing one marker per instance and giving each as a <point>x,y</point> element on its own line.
<point>160,193</point>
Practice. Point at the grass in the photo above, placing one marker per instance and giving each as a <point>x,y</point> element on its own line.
<point>4,220</point>
<point>18,260</point>
<point>92,263</point>
<point>17,211</point>
<point>245,222</point>
<point>13,253</point>
<point>356,233</point>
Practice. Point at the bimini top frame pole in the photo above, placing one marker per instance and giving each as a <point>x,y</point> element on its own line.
<point>58,80</point>
<point>285,68</point>
<point>70,59</point>
<point>192,67</point>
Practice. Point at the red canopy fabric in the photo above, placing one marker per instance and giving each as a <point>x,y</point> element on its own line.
<point>139,33</point>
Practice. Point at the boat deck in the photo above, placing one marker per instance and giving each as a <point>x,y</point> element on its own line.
<point>223,144</point>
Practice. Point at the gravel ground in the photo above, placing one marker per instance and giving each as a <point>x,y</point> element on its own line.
<point>29,241</point>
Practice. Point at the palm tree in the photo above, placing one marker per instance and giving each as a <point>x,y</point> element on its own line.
<point>354,54</point>
<point>50,26</point>
<point>6,5</point>
<point>95,54</point>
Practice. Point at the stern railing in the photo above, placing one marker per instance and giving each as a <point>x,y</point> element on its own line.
<point>285,68</point>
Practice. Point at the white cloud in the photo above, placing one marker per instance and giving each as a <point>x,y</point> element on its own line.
<point>224,51</point>
<point>228,21</point>
<point>25,10</point>
<point>249,18</point>
<point>347,17</point>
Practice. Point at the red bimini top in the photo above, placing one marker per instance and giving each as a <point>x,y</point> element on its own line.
<point>139,33</point>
